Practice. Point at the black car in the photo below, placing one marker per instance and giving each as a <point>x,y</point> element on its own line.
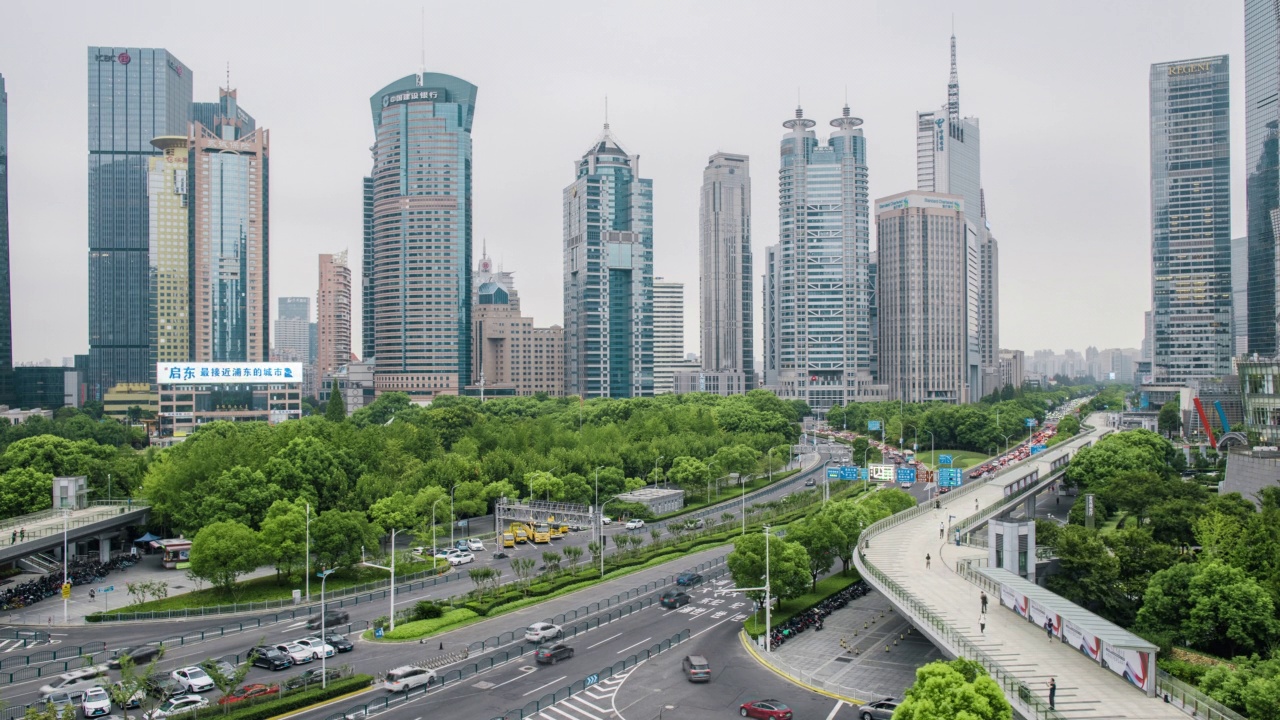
<point>163,686</point>
<point>265,656</point>
<point>809,483</point>
<point>553,654</point>
<point>311,677</point>
<point>140,655</point>
<point>339,642</point>
<point>674,598</point>
<point>331,618</point>
<point>688,578</point>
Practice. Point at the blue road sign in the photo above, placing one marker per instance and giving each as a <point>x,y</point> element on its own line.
<point>1037,449</point>
<point>377,633</point>
<point>109,588</point>
<point>833,473</point>
<point>591,680</point>
<point>1031,422</point>
<point>945,459</point>
<point>873,425</point>
<point>907,475</point>
<point>849,472</point>
<point>950,477</point>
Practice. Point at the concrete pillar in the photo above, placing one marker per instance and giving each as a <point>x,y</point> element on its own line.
<point>57,553</point>
<point>104,548</point>
<point>1029,507</point>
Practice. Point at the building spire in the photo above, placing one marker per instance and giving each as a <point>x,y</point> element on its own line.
<point>606,112</point>
<point>953,86</point>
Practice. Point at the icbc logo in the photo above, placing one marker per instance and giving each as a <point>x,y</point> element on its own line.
<point>123,58</point>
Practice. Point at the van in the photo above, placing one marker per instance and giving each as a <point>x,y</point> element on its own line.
<point>696,668</point>
<point>407,677</point>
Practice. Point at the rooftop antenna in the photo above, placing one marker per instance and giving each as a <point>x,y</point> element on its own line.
<point>228,75</point>
<point>606,112</point>
<point>953,86</point>
<point>422,65</point>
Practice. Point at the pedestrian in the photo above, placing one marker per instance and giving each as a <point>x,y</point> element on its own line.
<point>22,534</point>
<point>1053,691</point>
<point>975,504</point>
<point>1048,628</point>
<point>942,529</point>
<point>982,622</point>
<point>13,538</point>
<point>984,603</point>
<point>927,559</point>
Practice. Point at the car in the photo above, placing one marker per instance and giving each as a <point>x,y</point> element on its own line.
<point>552,654</point>
<point>688,578</point>
<point>606,520</point>
<point>540,631</point>
<point>674,598</point>
<point>265,656</point>
<point>768,709</point>
<point>442,553</point>
<point>193,679</point>
<point>134,700</point>
<point>139,655</point>
<point>312,677</point>
<point>77,680</point>
<point>177,706</point>
<point>95,702</point>
<point>407,677</point>
<point>60,700</point>
<point>222,667</point>
<point>882,710</point>
<point>332,618</point>
<point>317,647</point>
<point>635,524</point>
<point>475,545</point>
<point>339,642</point>
<point>461,558</point>
<point>809,483</point>
<point>162,685</point>
<point>252,690</point>
<point>696,668</point>
<point>298,654</point>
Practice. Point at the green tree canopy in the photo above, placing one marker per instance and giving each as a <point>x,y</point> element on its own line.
<point>336,409</point>
<point>284,536</point>
<point>223,551</point>
<point>337,537</point>
<point>822,540</point>
<point>788,566</point>
<point>25,490</point>
<point>956,690</point>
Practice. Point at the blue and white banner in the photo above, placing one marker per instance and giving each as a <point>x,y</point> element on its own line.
<point>228,373</point>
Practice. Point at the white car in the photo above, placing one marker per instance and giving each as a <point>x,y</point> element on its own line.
<point>635,524</point>
<point>193,679</point>
<point>76,680</point>
<point>317,647</point>
<point>135,700</point>
<point>408,677</point>
<point>475,545</point>
<point>461,557</point>
<point>540,631</point>
<point>96,702</point>
<point>298,654</point>
<point>177,706</point>
<point>606,520</point>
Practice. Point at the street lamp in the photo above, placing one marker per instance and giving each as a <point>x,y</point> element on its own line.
<point>66,513</point>
<point>452,523</point>
<point>602,548</point>
<point>392,614</point>
<point>324,575</point>
<point>767,609</point>
<point>866,479</point>
<point>599,527</point>
<point>655,469</point>
<point>433,526</point>
<point>307,571</point>
<point>1006,441</point>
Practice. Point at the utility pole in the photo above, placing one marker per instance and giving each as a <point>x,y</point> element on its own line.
<point>768,615</point>
<point>307,572</point>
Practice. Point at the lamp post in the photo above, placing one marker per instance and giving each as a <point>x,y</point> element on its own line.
<point>66,513</point>
<point>307,571</point>
<point>600,526</point>
<point>324,575</point>
<point>769,459</point>
<point>866,479</point>
<point>1006,441</point>
<point>392,613</point>
<point>767,609</point>
<point>655,469</point>
<point>602,547</point>
<point>433,527</point>
<point>452,523</point>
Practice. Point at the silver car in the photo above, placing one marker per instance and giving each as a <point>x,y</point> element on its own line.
<point>882,710</point>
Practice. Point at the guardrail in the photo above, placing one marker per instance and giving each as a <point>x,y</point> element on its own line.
<point>1192,700</point>
<point>45,656</point>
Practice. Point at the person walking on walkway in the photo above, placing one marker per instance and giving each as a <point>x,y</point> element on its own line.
<point>984,603</point>
<point>982,622</point>
<point>926,561</point>
<point>975,504</point>
<point>1053,691</point>
<point>13,538</point>
<point>942,530</point>
<point>22,534</point>
<point>1048,627</point>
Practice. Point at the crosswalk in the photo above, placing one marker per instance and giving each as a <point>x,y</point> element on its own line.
<point>8,645</point>
<point>594,703</point>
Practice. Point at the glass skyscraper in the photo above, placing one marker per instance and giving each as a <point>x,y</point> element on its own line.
<point>608,275</point>
<point>725,280</point>
<point>7,390</point>
<point>135,95</point>
<point>1262,184</point>
<point>418,240</point>
<point>1191,219</point>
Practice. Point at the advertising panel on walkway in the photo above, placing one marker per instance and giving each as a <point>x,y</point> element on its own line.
<point>1132,665</point>
<point>1039,613</point>
<point>1013,600</point>
<point>882,472</point>
<point>1081,639</point>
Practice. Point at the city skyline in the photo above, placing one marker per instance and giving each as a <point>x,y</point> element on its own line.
<point>326,211</point>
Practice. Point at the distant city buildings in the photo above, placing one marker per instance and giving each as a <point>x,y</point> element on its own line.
<point>333,314</point>
<point>510,355</point>
<point>7,391</point>
<point>1262,182</point>
<point>668,334</point>
<point>168,205</point>
<point>724,268</point>
<point>608,275</point>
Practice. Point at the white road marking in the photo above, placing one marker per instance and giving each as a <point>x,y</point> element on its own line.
<point>836,709</point>
<point>631,646</point>
<point>523,671</point>
<point>604,641</point>
<point>557,711</point>
<point>542,687</point>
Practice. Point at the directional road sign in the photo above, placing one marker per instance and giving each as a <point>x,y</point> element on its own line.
<point>945,459</point>
<point>907,476</point>
<point>950,477</point>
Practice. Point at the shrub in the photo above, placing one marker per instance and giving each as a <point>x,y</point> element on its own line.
<point>427,610</point>
<point>419,628</point>
<point>290,702</point>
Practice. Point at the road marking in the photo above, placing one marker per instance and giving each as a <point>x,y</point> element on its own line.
<point>593,707</point>
<point>708,628</point>
<point>542,687</point>
<point>571,717</point>
<point>523,671</point>
<point>604,641</point>
<point>631,646</point>
<point>834,710</point>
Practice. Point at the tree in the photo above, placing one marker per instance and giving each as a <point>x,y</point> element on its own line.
<point>223,551</point>
<point>1088,574</point>
<point>337,537</point>
<point>544,485</point>
<point>551,559</point>
<point>957,689</point>
<point>239,494</point>
<point>788,566</point>
<point>226,682</point>
<point>24,490</point>
<point>1230,613</point>
<point>822,541</point>
<point>1170,419</point>
<point>523,569</point>
<point>851,519</point>
<point>133,683</point>
<point>594,548</point>
<point>689,473</point>
<point>284,536</point>
<point>336,409</point>
<point>1136,491</point>
<point>1167,601</point>
<point>398,512</point>
<point>573,556</point>
<point>1068,426</point>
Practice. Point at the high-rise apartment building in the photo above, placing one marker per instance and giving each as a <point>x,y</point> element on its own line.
<point>1262,182</point>
<point>668,333</point>
<point>1191,219</point>
<point>333,314</point>
<point>724,267</point>
<point>292,328</point>
<point>418,246</point>
<point>135,95</point>
<point>819,329</point>
<point>168,205</point>
<point>927,279</point>
<point>230,235</point>
<point>511,355</point>
<point>608,274</point>
<point>8,392</point>
<point>770,314</point>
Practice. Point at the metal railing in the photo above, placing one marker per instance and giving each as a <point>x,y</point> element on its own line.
<point>1192,700</point>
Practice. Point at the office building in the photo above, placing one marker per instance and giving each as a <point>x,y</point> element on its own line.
<point>716,382</point>
<point>333,314</point>
<point>1262,179</point>
<point>1191,219</point>
<point>41,386</point>
<point>608,274</point>
<point>292,328</point>
<point>192,394</point>
<point>355,385</point>
<point>771,284</point>
<point>820,323</point>
<point>1013,368</point>
<point>134,96</point>
<point>418,292</point>
<point>168,205</point>
<point>511,355</point>
<point>1240,296</point>
<point>7,391</point>
<point>724,267</point>
<point>366,275</point>
<point>668,333</point>
<point>928,297</point>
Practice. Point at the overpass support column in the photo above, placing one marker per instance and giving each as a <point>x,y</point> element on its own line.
<point>104,548</point>
<point>1029,507</point>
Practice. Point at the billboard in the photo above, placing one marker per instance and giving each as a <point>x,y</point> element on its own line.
<point>1038,448</point>
<point>906,476</point>
<point>1080,639</point>
<point>1013,600</point>
<point>873,425</point>
<point>1039,613</point>
<point>1132,665</point>
<point>228,373</point>
<point>881,472</point>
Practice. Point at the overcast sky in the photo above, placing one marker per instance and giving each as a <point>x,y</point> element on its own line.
<point>1060,88</point>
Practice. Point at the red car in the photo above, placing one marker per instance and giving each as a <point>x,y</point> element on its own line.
<point>251,690</point>
<point>768,709</point>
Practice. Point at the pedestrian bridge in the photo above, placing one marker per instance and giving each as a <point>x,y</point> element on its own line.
<point>942,600</point>
<point>43,531</point>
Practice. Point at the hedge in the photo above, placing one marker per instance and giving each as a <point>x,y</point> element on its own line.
<point>419,628</point>
<point>288,703</point>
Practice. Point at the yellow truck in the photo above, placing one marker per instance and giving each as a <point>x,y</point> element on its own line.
<point>518,530</point>
<point>508,540</point>
<point>541,533</point>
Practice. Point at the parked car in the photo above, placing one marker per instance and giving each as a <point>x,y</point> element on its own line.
<point>540,631</point>
<point>311,677</point>
<point>298,654</point>
<point>606,520</point>
<point>552,654</point>
<point>140,655</point>
<point>461,558</point>
<point>177,706</point>
<point>408,677</point>
<point>501,555</point>
<point>78,680</point>
<point>317,647</point>
<point>193,679</point>
<point>475,545</point>
<point>442,553</point>
<point>674,598</point>
<point>339,642</point>
<point>767,709</point>
<point>688,578</point>
<point>696,668</point>
<point>95,702</point>
<point>332,618</point>
<point>60,700</point>
<point>265,656</point>
<point>882,710</point>
<point>252,690</point>
<point>163,686</point>
<point>134,701</point>
<point>223,667</point>
<point>635,524</point>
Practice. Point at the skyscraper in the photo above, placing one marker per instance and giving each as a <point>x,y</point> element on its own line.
<point>510,355</point>
<point>333,314</point>
<point>668,333</point>
<point>1262,184</point>
<point>418,270</point>
<point>168,205</point>
<point>724,266</point>
<point>366,275</point>
<point>818,329</point>
<point>8,393</point>
<point>608,274</point>
<point>292,328</point>
<point>1191,219</point>
<point>135,95</point>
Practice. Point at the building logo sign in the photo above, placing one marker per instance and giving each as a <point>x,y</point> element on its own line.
<point>227,373</point>
<point>1190,68</point>
<point>927,201</point>
<point>230,145</point>
<point>172,66</point>
<point>428,94</point>
<point>123,58</point>
<point>940,134</point>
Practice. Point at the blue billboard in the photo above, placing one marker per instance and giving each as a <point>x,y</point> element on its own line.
<point>906,476</point>
<point>833,473</point>
<point>1031,422</point>
<point>950,477</point>
<point>1039,448</point>
<point>873,425</point>
<point>945,460</point>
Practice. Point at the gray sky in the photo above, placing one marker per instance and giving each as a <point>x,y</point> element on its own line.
<point>1060,87</point>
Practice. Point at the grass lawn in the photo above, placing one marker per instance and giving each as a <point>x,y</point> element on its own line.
<point>826,588</point>
<point>960,458</point>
